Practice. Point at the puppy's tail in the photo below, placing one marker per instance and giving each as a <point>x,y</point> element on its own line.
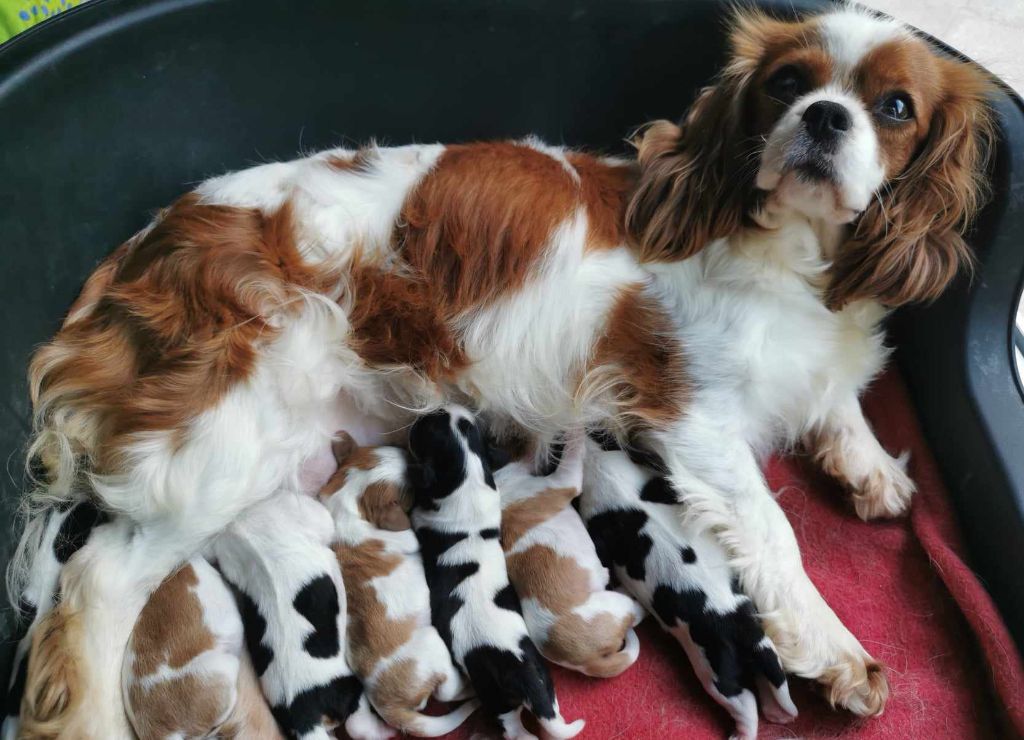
<point>558,728</point>
<point>423,725</point>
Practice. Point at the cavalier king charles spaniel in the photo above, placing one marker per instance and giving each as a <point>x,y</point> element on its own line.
<point>718,298</point>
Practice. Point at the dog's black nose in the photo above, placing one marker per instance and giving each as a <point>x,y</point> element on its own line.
<point>826,121</point>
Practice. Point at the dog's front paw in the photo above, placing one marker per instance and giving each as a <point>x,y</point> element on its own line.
<point>886,491</point>
<point>857,683</point>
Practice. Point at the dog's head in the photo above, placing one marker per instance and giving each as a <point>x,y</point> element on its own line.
<point>844,118</point>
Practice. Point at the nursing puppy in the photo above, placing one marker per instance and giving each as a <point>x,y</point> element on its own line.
<point>573,618</point>
<point>457,515</point>
<point>681,576</point>
<point>392,645</point>
<point>186,674</point>
<point>59,537</point>
<point>292,602</point>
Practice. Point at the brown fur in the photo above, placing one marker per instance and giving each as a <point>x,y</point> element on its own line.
<point>560,585</point>
<point>398,319</point>
<point>398,693</point>
<point>53,687</point>
<point>520,517</point>
<point>348,455</point>
<point>170,630</point>
<point>360,161</point>
<point>190,704</point>
<point>640,358</point>
<point>604,191</point>
<point>384,504</point>
<point>475,227</point>
<point>908,245</point>
<point>371,634</point>
<point>594,645</point>
<point>174,328</point>
<point>697,179</point>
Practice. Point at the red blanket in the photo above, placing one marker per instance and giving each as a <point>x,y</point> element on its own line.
<point>902,587</point>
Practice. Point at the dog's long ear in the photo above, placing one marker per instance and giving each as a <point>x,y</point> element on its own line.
<point>908,245</point>
<point>697,177</point>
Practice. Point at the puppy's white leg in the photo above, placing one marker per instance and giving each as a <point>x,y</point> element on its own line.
<point>512,726</point>
<point>726,492</point>
<point>454,687</point>
<point>363,724</point>
<point>848,450</point>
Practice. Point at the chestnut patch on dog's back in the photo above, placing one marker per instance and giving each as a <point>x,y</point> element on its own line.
<point>399,319</point>
<point>477,224</point>
<point>604,192</point>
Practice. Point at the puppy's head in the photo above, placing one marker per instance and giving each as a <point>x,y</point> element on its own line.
<point>447,449</point>
<point>844,118</point>
<point>369,484</point>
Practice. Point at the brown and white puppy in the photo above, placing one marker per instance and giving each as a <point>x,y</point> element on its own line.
<point>572,617</point>
<point>392,645</point>
<point>186,673</point>
<point>719,298</point>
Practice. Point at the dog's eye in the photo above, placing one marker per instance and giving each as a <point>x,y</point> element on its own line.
<point>896,107</point>
<point>786,84</point>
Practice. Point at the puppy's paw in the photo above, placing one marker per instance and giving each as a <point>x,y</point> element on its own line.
<point>886,491</point>
<point>858,684</point>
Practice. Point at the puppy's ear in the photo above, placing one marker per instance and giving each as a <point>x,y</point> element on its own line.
<point>697,178</point>
<point>908,245</point>
<point>343,446</point>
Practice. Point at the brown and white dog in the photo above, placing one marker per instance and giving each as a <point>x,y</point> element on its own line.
<point>719,298</point>
<point>186,673</point>
<point>392,645</point>
<point>573,618</point>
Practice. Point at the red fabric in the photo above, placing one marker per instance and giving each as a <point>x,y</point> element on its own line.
<point>900,586</point>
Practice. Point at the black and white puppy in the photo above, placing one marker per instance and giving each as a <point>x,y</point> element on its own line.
<point>288,585</point>
<point>60,535</point>
<point>457,516</point>
<point>680,575</point>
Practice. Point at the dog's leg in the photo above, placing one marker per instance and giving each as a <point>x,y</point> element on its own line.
<point>721,485</point>
<point>847,449</point>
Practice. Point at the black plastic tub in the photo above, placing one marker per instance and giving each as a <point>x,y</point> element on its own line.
<point>112,109</point>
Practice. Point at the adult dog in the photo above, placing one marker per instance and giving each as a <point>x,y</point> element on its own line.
<point>714,300</point>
